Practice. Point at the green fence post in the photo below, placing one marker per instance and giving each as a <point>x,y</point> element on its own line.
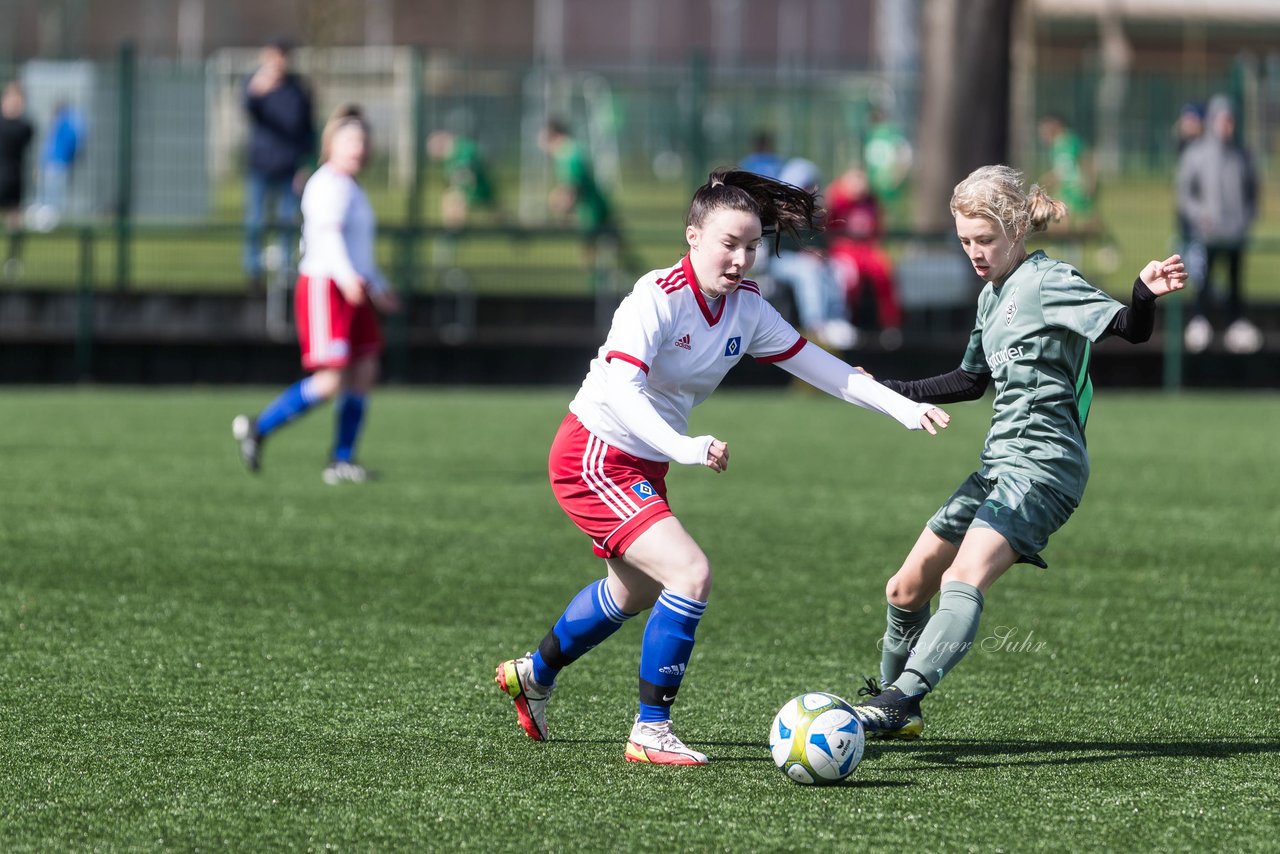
<point>407,237</point>
<point>84,325</point>
<point>1173,344</point>
<point>697,108</point>
<point>124,163</point>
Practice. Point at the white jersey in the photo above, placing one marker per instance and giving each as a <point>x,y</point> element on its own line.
<point>684,344</point>
<point>337,230</point>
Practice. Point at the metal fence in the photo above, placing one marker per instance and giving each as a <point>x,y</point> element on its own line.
<point>165,139</point>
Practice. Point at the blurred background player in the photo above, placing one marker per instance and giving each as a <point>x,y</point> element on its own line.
<point>281,142</point>
<point>62,144</point>
<point>1037,321</point>
<point>468,184</point>
<point>763,158</point>
<point>671,343</point>
<point>1071,177</point>
<point>1218,197</point>
<point>16,132</point>
<point>1188,128</point>
<point>577,193</point>
<point>801,262</point>
<point>339,288</point>
<point>887,157</point>
<point>854,226</point>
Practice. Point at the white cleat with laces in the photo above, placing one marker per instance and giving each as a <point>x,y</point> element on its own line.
<point>657,744</point>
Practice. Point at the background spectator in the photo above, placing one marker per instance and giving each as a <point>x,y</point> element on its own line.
<point>1218,196</point>
<point>1071,177</point>
<point>887,157</point>
<point>854,227</point>
<point>577,192</point>
<point>468,184</point>
<point>58,154</point>
<point>281,142</point>
<point>802,263</point>
<point>762,159</point>
<point>15,138</point>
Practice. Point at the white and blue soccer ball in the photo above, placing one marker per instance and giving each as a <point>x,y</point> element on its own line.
<point>816,739</point>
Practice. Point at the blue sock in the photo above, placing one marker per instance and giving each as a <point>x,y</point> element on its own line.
<point>591,617</point>
<point>665,651</point>
<point>292,402</point>
<point>350,416</point>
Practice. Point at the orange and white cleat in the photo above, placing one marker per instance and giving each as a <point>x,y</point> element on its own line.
<point>657,744</point>
<point>515,678</point>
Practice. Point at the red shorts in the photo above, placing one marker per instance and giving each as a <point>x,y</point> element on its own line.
<point>610,495</point>
<point>333,332</point>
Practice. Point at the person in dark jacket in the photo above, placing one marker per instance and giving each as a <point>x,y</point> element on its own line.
<point>281,143</point>
<point>16,132</point>
<point>1218,197</point>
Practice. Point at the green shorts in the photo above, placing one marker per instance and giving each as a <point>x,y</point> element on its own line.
<point>1022,511</point>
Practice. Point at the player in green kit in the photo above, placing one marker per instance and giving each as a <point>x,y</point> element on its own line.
<point>1036,323</point>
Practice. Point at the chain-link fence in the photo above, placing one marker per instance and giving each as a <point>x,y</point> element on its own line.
<point>164,142</point>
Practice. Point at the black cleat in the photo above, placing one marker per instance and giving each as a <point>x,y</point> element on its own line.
<point>889,713</point>
<point>245,431</point>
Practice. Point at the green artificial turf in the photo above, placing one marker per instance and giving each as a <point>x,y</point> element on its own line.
<point>193,658</point>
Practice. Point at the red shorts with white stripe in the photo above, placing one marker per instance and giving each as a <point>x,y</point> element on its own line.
<point>609,494</point>
<point>333,332</point>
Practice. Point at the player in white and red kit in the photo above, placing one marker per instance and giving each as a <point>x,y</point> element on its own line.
<point>339,287</point>
<point>672,341</point>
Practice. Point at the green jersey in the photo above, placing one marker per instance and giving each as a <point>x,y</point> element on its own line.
<point>1066,157</point>
<point>1033,334</point>
<point>573,169</point>
<point>466,171</point>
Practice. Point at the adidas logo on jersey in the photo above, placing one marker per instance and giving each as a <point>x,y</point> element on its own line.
<point>672,670</point>
<point>683,342</point>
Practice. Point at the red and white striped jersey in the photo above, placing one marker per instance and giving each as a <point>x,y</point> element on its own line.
<point>684,345</point>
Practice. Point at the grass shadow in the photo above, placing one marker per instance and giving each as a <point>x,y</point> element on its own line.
<point>973,754</point>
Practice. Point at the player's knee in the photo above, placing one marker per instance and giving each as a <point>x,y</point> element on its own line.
<point>691,576</point>
<point>905,592</point>
<point>325,383</point>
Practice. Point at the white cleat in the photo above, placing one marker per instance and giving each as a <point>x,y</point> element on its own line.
<point>1198,335</point>
<point>1242,337</point>
<point>659,745</point>
<point>515,678</point>
<point>342,472</point>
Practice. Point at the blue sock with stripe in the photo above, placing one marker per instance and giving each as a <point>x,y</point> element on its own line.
<point>350,415</point>
<point>591,617</point>
<point>665,651</point>
<point>292,402</point>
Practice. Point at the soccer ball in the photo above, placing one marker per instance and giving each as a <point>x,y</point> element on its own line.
<point>816,739</point>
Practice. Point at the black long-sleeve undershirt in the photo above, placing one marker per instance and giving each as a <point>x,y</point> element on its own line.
<point>950,387</point>
<point>1133,323</point>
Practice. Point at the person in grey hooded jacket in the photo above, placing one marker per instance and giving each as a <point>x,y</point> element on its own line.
<point>1217,189</point>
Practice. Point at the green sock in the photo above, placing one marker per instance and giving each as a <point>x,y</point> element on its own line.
<point>945,640</point>
<point>902,630</point>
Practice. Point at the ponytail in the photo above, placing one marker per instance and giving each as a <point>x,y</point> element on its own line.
<point>780,207</point>
<point>995,193</point>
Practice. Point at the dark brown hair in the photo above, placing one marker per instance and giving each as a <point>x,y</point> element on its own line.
<point>780,207</point>
<point>343,115</point>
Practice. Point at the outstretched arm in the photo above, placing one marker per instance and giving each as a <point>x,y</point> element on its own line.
<point>625,392</point>
<point>1134,322</point>
<point>824,371</point>
<point>951,387</point>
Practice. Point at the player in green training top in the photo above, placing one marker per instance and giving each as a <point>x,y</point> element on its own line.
<point>577,191</point>
<point>1037,319</point>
